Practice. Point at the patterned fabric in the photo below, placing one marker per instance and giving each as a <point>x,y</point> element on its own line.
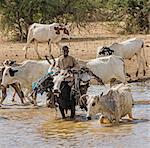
<point>44,84</point>
<point>52,71</point>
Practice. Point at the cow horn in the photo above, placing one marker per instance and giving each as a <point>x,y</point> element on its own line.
<point>12,71</point>
<point>101,94</point>
<point>54,61</point>
<point>12,62</point>
<point>46,57</point>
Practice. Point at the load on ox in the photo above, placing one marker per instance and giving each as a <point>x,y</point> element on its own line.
<point>64,88</point>
<point>68,88</point>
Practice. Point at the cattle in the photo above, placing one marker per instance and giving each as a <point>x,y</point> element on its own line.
<point>67,88</point>
<point>127,50</point>
<point>108,68</point>
<point>116,104</point>
<point>25,74</point>
<point>50,33</point>
<point>16,86</point>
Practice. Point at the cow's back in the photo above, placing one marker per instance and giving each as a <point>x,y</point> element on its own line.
<point>127,49</point>
<point>124,98</point>
<point>35,69</point>
<point>107,68</point>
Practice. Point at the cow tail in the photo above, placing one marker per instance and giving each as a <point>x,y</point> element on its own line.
<point>29,37</point>
<point>123,60</point>
<point>144,54</point>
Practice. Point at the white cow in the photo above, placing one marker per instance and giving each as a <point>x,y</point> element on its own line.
<point>52,33</point>
<point>127,50</point>
<point>116,104</point>
<point>107,68</point>
<point>14,85</point>
<point>29,72</point>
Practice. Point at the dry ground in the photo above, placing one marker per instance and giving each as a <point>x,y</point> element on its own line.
<point>94,36</point>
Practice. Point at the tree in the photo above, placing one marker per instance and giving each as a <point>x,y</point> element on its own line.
<point>17,15</point>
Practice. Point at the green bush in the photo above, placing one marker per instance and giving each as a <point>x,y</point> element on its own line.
<point>17,15</point>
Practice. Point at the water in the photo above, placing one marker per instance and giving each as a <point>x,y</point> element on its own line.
<point>25,127</point>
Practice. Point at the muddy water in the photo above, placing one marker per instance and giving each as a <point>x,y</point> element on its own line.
<point>40,127</point>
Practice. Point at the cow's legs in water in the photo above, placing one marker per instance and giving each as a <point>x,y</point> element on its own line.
<point>62,112</point>
<point>4,94</point>
<point>34,96</point>
<point>18,90</point>
<point>72,108</point>
<point>13,98</point>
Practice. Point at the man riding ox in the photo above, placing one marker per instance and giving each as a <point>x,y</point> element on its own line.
<point>67,80</point>
<point>68,88</point>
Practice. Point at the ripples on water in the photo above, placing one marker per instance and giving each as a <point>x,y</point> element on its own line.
<point>27,127</point>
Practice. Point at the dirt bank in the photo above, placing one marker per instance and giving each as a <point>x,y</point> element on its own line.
<point>83,47</point>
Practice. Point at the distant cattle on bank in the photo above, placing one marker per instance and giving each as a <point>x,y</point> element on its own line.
<point>127,50</point>
<point>50,33</point>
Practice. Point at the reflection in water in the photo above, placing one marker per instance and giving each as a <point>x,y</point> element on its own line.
<point>30,127</point>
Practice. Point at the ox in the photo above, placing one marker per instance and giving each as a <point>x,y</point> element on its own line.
<point>127,50</point>
<point>27,73</point>
<point>52,33</point>
<point>16,86</point>
<point>116,104</point>
<point>108,68</point>
<point>68,89</point>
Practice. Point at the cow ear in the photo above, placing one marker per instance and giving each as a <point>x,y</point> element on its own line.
<point>56,28</point>
<point>12,72</point>
<point>12,62</point>
<point>111,50</point>
<point>66,31</point>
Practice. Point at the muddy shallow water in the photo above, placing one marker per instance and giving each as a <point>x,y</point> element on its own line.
<point>40,127</point>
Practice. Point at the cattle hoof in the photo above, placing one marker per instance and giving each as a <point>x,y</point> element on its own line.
<point>137,73</point>
<point>72,117</point>
<point>39,58</point>
<point>104,120</point>
<point>146,64</point>
<point>89,118</point>
<point>144,72</point>
<point>128,75</point>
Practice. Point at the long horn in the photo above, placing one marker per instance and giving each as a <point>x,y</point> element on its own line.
<point>54,61</point>
<point>46,57</point>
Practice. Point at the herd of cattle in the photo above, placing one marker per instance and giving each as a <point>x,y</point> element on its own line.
<point>67,88</point>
